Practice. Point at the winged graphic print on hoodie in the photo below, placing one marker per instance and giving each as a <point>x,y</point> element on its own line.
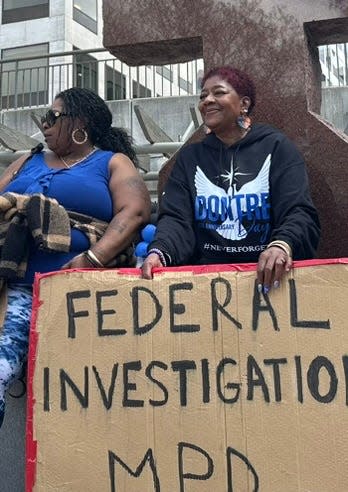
<point>224,204</point>
<point>231,205</point>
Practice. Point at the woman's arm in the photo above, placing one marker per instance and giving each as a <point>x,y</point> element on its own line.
<point>131,207</point>
<point>175,237</point>
<point>11,170</point>
<point>294,217</point>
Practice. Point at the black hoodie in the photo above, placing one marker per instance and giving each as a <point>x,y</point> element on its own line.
<point>225,204</point>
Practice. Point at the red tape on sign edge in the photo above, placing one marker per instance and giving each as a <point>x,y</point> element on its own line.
<point>199,269</point>
<point>31,444</point>
<point>229,267</point>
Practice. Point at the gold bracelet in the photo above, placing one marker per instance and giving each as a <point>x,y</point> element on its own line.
<point>94,259</point>
<point>282,245</point>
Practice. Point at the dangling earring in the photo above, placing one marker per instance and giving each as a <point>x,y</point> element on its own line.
<point>206,129</point>
<point>244,121</point>
<point>75,140</point>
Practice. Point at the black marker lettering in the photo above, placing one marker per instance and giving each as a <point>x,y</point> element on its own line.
<point>258,308</point>
<point>182,366</point>
<point>138,329</point>
<point>276,375</point>
<point>81,397</point>
<point>233,452</point>
<point>299,378</point>
<point>148,458</point>
<point>314,369</point>
<point>104,332</point>
<point>193,476</point>
<point>128,386</point>
<point>217,307</point>
<point>148,372</point>
<point>46,389</point>
<point>107,398</point>
<point>72,314</point>
<point>252,367</point>
<point>205,380</point>
<point>293,312</point>
<point>177,309</point>
<point>220,381</point>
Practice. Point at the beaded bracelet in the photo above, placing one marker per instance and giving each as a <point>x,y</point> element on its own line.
<point>160,254</point>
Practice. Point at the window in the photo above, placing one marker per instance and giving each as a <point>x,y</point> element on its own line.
<point>185,85</point>
<point>21,10</point>
<point>140,90</point>
<point>24,82</point>
<point>165,72</point>
<point>85,71</point>
<point>115,84</point>
<point>85,13</point>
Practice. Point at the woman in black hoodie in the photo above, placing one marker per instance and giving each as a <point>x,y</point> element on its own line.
<point>239,196</point>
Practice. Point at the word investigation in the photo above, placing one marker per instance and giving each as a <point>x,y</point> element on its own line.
<point>190,383</point>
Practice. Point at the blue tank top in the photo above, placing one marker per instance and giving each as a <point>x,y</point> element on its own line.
<point>83,188</point>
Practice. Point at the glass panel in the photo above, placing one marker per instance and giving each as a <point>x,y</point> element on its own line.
<point>334,64</point>
<point>334,80</point>
<point>24,82</point>
<point>115,84</point>
<point>87,7</point>
<point>85,71</point>
<point>17,4</point>
<point>140,90</point>
<point>19,10</point>
<point>166,72</point>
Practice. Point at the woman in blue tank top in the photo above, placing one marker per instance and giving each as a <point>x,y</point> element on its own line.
<point>90,170</point>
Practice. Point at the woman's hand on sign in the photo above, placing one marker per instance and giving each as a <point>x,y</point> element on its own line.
<point>272,265</point>
<point>152,261</point>
<point>78,261</point>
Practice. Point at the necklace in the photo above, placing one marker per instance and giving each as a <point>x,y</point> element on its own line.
<point>79,160</point>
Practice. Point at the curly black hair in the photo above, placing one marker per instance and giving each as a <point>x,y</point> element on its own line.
<point>97,117</point>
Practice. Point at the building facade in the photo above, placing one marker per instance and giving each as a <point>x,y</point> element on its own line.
<point>72,30</point>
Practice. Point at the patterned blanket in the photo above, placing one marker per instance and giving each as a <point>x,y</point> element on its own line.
<point>49,224</point>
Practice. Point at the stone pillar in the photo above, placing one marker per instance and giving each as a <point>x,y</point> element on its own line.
<point>276,43</point>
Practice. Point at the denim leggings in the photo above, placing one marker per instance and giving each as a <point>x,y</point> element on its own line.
<point>14,338</point>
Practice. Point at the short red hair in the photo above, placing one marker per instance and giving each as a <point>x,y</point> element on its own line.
<point>238,79</point>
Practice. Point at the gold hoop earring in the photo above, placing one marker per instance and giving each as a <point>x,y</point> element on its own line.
<point>75,140</point>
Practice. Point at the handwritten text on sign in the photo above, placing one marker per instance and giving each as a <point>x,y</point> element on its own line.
<point>174,384</point>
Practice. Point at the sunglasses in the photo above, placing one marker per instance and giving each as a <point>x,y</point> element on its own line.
<point>51,117</point>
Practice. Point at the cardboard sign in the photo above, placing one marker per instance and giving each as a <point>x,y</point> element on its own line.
<point>190,382</point>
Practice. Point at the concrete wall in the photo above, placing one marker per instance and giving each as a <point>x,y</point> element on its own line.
<point>334,107</point>
<point>172,114</point>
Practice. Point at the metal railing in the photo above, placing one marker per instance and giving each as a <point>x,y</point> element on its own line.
<point>25,85</point>
<point>334,65</point>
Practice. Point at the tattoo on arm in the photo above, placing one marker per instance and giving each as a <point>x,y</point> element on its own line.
<point>137,188</point>
<point>117,225</point>
<point>135,183</point>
